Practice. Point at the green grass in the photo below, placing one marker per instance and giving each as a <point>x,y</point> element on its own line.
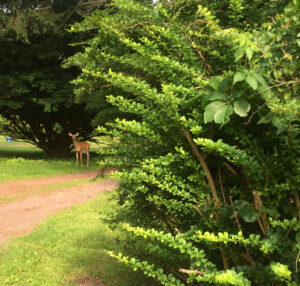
<point>68,246</point>
<point>21,160</point>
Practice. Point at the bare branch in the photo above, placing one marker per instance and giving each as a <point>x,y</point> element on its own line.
<point>228,166</point>
<point>297,258</point>
<point>221,186</point>
<point>204,167</point>
<point>187,271</point>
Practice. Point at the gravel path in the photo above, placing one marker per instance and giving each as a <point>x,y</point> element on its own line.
<point>28,209</point>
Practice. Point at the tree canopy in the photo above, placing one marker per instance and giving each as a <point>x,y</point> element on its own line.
<point>208,151</point>
<point>36,96</point>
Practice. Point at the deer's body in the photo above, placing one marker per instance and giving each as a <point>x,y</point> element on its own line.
<point>80,147</point>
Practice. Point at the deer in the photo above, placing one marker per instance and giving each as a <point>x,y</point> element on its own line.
<point>80,147</point>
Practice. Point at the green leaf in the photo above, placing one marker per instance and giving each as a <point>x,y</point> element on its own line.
<point>246,211</point>
<point>265,119</point>
<point>241,107</point>
<point>193,100</point>
<point>223,113</point>
<point>280,124</point>
<point>259,78</point>
<point>216,96</point>
<point>224,84</point>
<point>239,54</point>
<point>215,81</point>
<point>249,53</point>
<point>251,80</point>
<point>47,107</point>
<point>239,76</point>
<point>298,236</point>
<point>248,214</point>
<point>211,109</point>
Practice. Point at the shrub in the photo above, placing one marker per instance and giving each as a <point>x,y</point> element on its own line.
<point>208,148</point>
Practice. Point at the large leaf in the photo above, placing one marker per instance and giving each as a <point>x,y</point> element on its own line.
<point>211,109</point>
<point>239,54</point>
<point>251,80</point>
<point>264,120</point>
<point>259,77</point>
<point>216,96</point>
<point>246,211</point>
<point>215,81</point>
<point>239,76</point>
<point>249,52</point>
<point>223,113</point>
<point>241,107</point>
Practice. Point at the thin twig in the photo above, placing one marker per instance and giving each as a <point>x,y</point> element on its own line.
<point>297,258</point>
<point>262,220</point>
<point>253,113</point>
<point>198,87</point>
<point>177,230</point>
<point>198,52</point>
<point>197,210</point>
<point>132,26</point>
<point>230,169</point>
<point>72,12</point>
<point>276,85</point>
<point>101,2</point>
<point>297,204</point>
<point>225,260</point>
<point>107,85</point>
<point>235,214</point>
<point>187,271</point>
<point>221,185</point>
<point>239,226</point>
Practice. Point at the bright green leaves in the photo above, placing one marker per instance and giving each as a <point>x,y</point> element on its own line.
<point>249,52</point>
<point>245,45</point>
<point>148,269</point>
<point>241,107</point>
<point>230,277</point>
<point>281,271</point>
<point>170,79</point>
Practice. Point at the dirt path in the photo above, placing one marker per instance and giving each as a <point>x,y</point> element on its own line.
<point>23,214</point>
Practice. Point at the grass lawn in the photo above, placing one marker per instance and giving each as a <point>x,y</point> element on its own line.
<point>69,246</point>
<point>20,160</point>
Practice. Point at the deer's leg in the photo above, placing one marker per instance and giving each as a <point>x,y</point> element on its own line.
<point>87,159</point>
<point>76,159</point>
<point>81,158</point>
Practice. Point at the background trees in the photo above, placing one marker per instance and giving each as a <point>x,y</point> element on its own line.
<point>209,149</point>
<point>36,96</point>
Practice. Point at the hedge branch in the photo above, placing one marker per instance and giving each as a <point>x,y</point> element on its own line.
<point>262,220</point>
<point>204,166</point>
<point>297,204</point>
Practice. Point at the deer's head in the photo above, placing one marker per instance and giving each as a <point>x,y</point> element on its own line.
<point>73,136</point>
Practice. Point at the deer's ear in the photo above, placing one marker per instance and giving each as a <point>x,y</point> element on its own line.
<point>77,134</point>
<point>70,134</point>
